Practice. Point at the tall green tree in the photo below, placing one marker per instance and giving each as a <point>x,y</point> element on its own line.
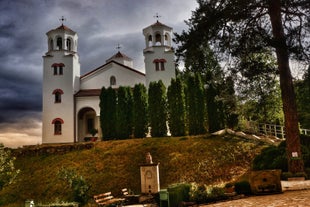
<point>258,85</point>
<point>195,105</point>
<point>140,109</point>
<point>176,107</point>
<point>157,109</point>
<point>8,173</point>
<point>237,27</point>
<point>108,113</point>
<point>124,112</point>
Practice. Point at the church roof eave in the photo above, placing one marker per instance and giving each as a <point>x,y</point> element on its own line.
<point>112,61</point>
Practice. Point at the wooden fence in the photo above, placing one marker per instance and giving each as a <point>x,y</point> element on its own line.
<point>273,130</point>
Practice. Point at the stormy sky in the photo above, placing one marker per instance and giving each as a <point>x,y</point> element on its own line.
<point>100,24</point>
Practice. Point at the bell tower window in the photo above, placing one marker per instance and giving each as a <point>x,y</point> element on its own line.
<point>55,70</point>
<point>68,44</point>
<point>158,39</point>
<point>150,41</point>
<point>58,68</point>
<point>58,93</point>
<point>159,64</point>
<point>51,44</point>
<point>59,43</point>
<point>57,126</point>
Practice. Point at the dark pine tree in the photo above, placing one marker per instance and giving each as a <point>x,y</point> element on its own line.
<point>176,107</point>
<point>157,109</point>
<point>108,113</point>
<point>124,112</point>
<point>140,107</point>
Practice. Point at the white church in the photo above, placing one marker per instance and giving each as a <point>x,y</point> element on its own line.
<point>71,100</point>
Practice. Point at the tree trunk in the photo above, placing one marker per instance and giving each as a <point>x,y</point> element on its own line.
<point>293,147</point>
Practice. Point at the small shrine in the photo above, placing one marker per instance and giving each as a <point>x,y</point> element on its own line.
<point>149,176</point>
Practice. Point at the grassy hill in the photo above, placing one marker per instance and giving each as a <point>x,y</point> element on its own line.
<point>113,165</point>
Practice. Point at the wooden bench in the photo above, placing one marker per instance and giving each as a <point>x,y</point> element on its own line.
<point>125,192</point>
<point>130,199</point>
<point>107,199</point>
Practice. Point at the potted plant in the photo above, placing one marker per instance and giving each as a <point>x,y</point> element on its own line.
<point>93,132</point>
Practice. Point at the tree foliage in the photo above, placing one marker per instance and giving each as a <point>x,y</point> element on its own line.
<point>195,105</point>
<point>124,112</point>
<point>303,100</point>
<point>176,107</point>
<point>237,28</point>
<point>140,116</point>
<point>108,113</point>
<point>157,109</point>
<point>8,172</point>
<point>259,88</point>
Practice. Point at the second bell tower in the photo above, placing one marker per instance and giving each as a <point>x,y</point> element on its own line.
<point>158,54</point>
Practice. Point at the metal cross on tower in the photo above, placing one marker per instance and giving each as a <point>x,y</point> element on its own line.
<point>118,47</point>
<point>62,19</point>
<point>157,16</point>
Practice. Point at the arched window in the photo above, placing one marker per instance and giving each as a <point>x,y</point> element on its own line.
<point>158,39</point>
<point>150,41</point>
<point>51,44</point>
<point>68,44</point>
<point>159,64</point>
<point>57,126</point>
<point>58,68</point>
<point>58,93</point>
<point>112,81</point>
<point>167,40</point>
<point>55,70</point>
<point>59,43</point>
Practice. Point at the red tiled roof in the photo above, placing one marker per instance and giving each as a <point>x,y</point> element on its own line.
<point>88,92</point>
<point>157,23</point>
<point>119,55</point>
<point>63,27</point>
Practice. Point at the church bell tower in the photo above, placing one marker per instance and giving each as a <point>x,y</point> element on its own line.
<point>158,53</point>
<point>61,75</point>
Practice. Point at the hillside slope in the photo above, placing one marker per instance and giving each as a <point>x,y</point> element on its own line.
<point>113,165</point>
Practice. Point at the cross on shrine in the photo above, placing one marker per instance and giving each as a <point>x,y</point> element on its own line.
<point>157,16</point>
<point>118,47</point>
<point>62,19</point>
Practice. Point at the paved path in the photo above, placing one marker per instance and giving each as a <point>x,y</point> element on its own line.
<point>299,198</point>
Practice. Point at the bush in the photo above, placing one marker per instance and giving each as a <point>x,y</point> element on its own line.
<point>216,194</point>
<point>278,161</point>
<point>178,193</point>
<point>279,157</point>
<point>243,187</point>
<point>198,193</point>
<point>206,194</point>
<point>77,184</point>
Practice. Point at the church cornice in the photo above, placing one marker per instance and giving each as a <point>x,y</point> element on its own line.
<point>110,62</point>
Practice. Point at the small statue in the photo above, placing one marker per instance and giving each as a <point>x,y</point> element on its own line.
<point>148,158</point>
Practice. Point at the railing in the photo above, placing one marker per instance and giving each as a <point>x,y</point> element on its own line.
<point>273,130</point>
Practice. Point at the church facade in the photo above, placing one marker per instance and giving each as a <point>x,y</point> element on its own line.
<point>71,100</point>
